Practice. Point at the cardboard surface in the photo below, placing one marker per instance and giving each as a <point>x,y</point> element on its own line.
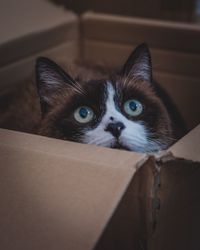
<point>178,217</point>
<point>131,224</point>
<point>32,26</point>
<point>57,194</point>
<point>116,53</point>
<point>189,146</point>
<point>184,91</point>
<point>66,52</point>
<point>126,30</point>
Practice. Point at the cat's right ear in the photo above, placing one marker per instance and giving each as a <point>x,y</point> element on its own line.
<point>138,65</point>
<point>51,81</point>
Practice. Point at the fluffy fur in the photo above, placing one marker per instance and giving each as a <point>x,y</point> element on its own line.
<point>61,95</point>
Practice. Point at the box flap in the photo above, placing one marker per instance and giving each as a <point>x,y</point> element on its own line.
<point>189,146</point>
<point>57,194</point>
<point>132,222</point>
<point>177,224</point>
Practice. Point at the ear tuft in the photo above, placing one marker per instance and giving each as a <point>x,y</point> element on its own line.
<point>51,79</point>
<point>139,64</point>
<point>50,74</point>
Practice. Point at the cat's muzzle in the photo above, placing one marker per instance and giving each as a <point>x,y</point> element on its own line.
<point>115,128</point>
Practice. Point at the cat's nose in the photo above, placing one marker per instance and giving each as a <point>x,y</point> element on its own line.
<point>115,128</point>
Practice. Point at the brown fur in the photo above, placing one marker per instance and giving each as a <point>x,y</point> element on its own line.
<point>60,95</point>
<point>156,114</point>
<point>20,105</point>
<point>20,108</point>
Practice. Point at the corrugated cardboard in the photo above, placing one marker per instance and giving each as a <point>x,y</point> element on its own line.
<point>64,195</point>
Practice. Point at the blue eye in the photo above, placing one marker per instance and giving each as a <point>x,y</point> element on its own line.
<point>83,114</point>
<point>133,107</point>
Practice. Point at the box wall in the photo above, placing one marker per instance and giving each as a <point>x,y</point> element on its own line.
<point>178,218</point>
<point>131,223</point>
<point>53,199</point>
<point>23,69</point>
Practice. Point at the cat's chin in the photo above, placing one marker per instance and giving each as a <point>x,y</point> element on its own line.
<point>119,146</point>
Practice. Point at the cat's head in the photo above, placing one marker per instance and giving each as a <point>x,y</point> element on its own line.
<point>120,112</point>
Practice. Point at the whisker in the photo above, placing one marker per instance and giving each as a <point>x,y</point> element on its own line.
<point>101,141</point>
<point>78,88</point>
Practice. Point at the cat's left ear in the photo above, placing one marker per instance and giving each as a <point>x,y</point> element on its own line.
<point>139,64</point>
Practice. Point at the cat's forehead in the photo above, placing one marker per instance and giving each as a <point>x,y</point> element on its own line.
<point>120,87</point>
<point>94,85</point>
<point>127,85</point>
<point>95,92</point>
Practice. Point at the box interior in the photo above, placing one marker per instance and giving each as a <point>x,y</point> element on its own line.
<point>109,39</point>
<point>52,198</point>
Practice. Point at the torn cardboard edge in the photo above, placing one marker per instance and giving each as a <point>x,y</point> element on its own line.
<point>160,163</point>
<point>149,213</point>
<point>176,204</point>
<point>160,194</point>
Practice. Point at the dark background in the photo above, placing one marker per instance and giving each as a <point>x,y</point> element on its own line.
<point>175,10</point>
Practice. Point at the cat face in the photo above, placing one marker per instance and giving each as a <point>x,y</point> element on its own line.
<point>122,111</point>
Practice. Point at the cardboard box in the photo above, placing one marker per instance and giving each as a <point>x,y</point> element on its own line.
<point>64,195</point>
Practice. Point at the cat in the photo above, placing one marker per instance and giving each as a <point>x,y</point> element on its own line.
<point>125,110</point>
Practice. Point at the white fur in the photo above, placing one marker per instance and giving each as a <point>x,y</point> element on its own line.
<point>134,136</point>
<point>52,81</point>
